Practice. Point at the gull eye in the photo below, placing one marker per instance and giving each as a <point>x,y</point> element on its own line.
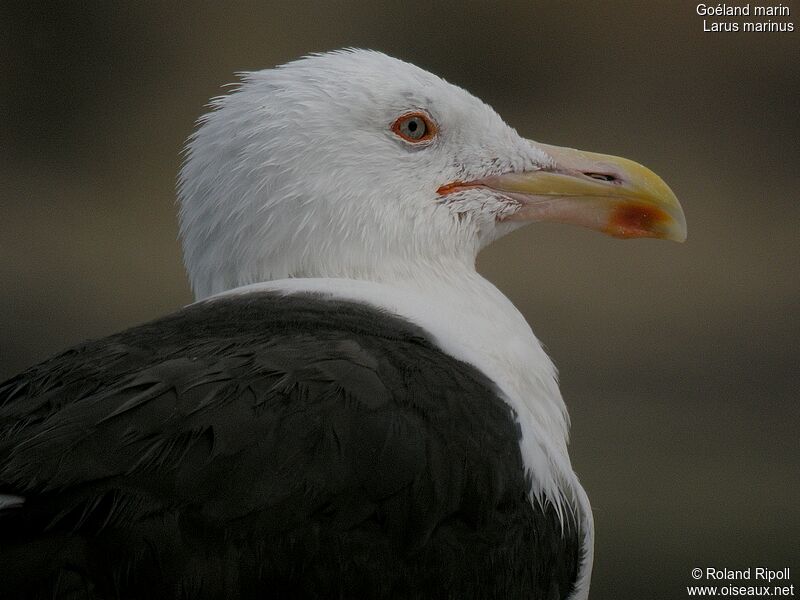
<point>414,127</point>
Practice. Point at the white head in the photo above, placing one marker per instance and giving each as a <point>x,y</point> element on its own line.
<point>353,164</point>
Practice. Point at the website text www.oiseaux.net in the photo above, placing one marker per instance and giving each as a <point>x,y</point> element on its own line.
<point>759,582</point>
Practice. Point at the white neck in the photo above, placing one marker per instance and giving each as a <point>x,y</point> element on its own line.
<point>473,321</point>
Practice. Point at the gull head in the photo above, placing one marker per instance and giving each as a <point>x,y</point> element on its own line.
<point>357,165</point>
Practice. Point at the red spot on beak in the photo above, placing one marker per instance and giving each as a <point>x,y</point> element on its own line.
<point>633,220</point>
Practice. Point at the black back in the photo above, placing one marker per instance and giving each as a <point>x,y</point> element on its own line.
<point>270,447</point>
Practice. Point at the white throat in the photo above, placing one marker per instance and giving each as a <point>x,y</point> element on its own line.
<point>471,320</point>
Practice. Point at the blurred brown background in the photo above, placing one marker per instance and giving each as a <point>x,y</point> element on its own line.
<point>679,362</point>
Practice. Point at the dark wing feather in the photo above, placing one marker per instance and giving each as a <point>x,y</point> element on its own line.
<point>267,446</point>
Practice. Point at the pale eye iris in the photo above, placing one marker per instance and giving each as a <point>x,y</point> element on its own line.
<point>414,128</point>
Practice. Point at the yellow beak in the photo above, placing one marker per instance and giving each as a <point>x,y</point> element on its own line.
<point>611,194</point>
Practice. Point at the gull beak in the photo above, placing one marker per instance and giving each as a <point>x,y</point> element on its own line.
<point>614,195</point>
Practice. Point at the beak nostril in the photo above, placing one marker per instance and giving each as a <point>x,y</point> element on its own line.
<point>601,176</point>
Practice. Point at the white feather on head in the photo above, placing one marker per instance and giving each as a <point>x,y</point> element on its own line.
<point>297,174</point>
